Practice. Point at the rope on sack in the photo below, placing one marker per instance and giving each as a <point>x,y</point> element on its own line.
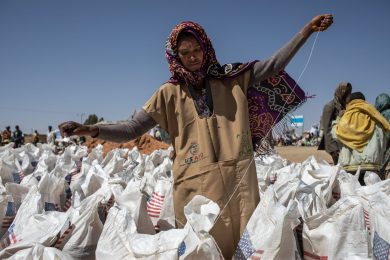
<point>296,83</point>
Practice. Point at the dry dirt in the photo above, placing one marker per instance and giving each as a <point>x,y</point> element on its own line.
<point>147,144</point>
<point>299,154</point>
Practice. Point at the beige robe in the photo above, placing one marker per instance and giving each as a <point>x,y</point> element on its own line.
<point>214,155</point>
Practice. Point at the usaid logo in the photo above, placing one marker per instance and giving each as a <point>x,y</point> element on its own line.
<point>194,149</point>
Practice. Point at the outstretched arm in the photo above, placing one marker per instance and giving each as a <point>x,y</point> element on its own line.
<point>119,133</point>
<point>267,68</point>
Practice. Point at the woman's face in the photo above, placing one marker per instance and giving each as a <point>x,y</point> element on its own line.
<point>190,53</point>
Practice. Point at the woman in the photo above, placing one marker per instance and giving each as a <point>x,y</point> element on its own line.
<point>364,134</point>
<point>329,114</point>
<point>382,104</point>
<point>205,109</point>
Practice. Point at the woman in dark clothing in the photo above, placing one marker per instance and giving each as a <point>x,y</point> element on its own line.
<point>330,112</point>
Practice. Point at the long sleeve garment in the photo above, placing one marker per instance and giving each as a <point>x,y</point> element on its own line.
<point>262,70</point>
<point>329,114</point>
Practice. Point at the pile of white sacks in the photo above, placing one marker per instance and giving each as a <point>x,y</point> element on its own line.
<point>82,205</point>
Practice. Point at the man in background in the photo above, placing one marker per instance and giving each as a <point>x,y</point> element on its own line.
<point>17,137</point>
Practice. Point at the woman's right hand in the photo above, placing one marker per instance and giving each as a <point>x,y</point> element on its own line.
<point>318,24</point>
<point>70,128</point>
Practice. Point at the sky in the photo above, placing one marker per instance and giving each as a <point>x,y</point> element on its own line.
<point>64,60</point>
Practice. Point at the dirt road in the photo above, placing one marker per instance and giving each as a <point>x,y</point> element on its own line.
<point>299,154</point>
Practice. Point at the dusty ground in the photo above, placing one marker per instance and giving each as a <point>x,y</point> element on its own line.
<point>146,144</point>
<point>299,154</point>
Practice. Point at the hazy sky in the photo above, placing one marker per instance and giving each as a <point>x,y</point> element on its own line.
<point>63,60</point>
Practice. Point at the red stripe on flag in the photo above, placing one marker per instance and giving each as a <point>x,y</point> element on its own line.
<point>158,195</point>
<point>257,255</point>
<point>313,256</point>
<point>154,207</point>
<point>155,203</point>
<point>154,211</point>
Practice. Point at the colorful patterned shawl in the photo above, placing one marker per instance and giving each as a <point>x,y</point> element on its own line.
<point>269,104</point>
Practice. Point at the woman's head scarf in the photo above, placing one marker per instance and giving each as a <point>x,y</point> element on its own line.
<point>342,91</point>
<point>382,104</point>
<point>210,66</point>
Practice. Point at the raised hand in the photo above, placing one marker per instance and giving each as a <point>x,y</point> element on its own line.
<point>318,24</point>
<point>321,22</point>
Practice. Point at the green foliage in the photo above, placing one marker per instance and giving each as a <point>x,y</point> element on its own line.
<point>91,120</point>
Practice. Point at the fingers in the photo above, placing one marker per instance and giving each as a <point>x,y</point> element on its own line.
<point>323,22</point>
<point>68,128</point>
<point>327,19</point>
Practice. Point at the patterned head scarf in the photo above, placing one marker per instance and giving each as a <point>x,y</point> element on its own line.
<point>210,66</point>
<point>382,104</point>
<point>342,91</point>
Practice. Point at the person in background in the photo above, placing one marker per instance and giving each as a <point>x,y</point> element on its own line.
<point>204,108</point>
<point>17,137</point>
<point>364,133</point>
<point>82,140</point>
<point>6,135</point>
<point>157,132</point>
<point>35,137</point>
<point>329,114</point>
<point>51,135</point>
<point>382,104</point>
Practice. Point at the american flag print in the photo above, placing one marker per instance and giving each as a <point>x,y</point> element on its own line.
<point>67,204</point>
<point>67,233</point>
<point>9,215</point>
<point>381,248</point>
<point>51,207</point>
<point>367,221</point>
<point>11,234</point>
<point>182,249</point>
<point>273,178</point>
<point>34,164</point>
<point>335,195</point>
<point>244,249</point>
<point>311,256</point>
<point>18,176</point>
<point>75,176</point>
<point>155,204</point>
<point>68,201</point>
<point>298,232</point>
<point>68,178</point>
<point>79,164</point>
